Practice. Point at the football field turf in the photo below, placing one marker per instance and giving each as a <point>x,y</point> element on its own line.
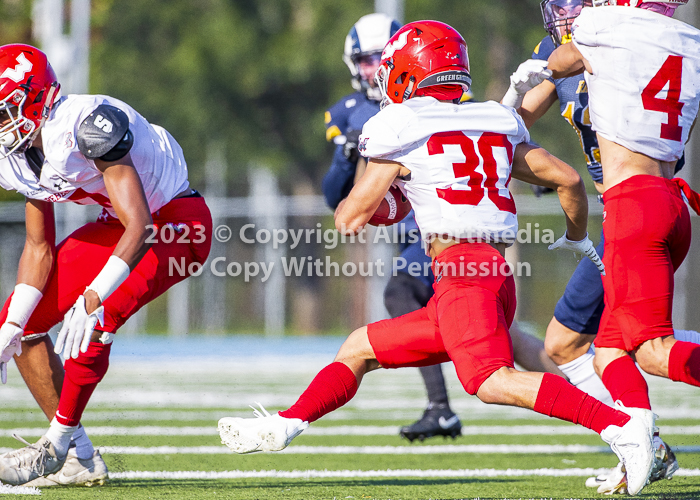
<point>154,417</point>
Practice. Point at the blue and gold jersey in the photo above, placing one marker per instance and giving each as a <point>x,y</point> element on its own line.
<point>349,113</point>
<point>573,103</point>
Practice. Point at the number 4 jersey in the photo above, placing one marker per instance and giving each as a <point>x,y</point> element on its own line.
<point>460,157</point>
<point>645,84</point>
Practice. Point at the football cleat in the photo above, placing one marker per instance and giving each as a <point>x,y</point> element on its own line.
<point>264,433</point>
<point>615,481</point>
<point>633,445</point>
<point>78,472</point>
<point>26,464</point>
<point>437,420</point>
<point>665,462</point>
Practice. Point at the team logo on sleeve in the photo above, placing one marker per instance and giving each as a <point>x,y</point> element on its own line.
<point>362,146</point>
<point>68,141</point>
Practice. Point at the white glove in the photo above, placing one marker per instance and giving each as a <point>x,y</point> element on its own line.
<point>77,329</point>
<point>528,76</point>
<point>10,344</point>
<point>584,247</point>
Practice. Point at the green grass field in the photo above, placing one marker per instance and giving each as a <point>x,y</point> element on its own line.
<point>156,424</point>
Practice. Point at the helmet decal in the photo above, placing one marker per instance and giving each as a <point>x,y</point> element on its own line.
<point>17,73</point>
<point>28,89</point>
<point>397,44</point>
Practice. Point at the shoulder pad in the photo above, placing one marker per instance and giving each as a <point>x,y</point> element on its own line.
<point>543,49</point>
<point>102,130</point>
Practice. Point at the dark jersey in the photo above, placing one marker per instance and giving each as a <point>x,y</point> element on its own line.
<point>573,104</point>
<point>344,118</point>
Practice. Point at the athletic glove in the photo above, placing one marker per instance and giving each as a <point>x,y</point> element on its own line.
<point>77,329</point>
<point>528,76</point>
<point>584,247</point>
<point>350,151</point>
<point>10,344</point>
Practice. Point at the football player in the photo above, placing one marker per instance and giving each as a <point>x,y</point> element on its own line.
<point>642,108</point>
<point>405,292</point>
<point>85,149</point>
<point>577,314</point>
<point>426,143</point>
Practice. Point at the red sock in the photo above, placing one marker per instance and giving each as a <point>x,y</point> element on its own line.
<point>625,383</point>
<point>82,376</point>
<point>334,386</point>
<point>684,363</point>
<point>558,398</point>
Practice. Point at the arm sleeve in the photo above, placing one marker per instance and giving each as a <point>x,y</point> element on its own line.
<point>379,139</point>
<point>585,34</point>
<point>522,134</point>
<point>337,182</point>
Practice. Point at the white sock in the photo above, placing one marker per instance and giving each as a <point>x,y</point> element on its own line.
<point>687,336</point>
<point>582,374</point>
<point>60,435</point>
<point>83,445</point>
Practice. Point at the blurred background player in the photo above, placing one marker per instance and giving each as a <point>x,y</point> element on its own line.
<point>406,291</point>
<point>572,330</point>
<point>467,217</point>
<point>90,150</point>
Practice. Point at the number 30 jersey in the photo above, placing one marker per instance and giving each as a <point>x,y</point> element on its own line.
<point>645,82</point>
<point>460,158</point>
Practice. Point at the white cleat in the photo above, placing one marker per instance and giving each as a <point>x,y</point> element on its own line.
<point>76,472</point>
<point>26,464</point>
<point>614,481</point>
<point>633,445</point>
<point>264,433</point>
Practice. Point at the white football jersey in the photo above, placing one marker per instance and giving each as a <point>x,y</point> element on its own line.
<point>67,175</point>
<point>460,157</point>
<point>645,85</point>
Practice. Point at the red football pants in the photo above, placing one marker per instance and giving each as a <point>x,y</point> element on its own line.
<point>466,321</point>
<point>83,254</point>
<point>647,236</point>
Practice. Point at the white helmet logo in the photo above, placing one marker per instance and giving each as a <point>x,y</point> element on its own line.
<point>397,44</point>
<point>17,73</point>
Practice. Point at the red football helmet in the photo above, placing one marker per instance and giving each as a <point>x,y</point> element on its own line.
<point>422,54</point>
<point>28,87</point>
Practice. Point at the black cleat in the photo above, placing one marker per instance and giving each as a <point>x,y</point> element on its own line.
<point>436,421</point>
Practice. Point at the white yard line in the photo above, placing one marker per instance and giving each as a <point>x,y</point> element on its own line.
<point>307,474</point>
<point>350,430</point>
<point>6,489</point>
<point>376,450</point>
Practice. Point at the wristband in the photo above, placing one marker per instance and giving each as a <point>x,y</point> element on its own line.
<point>112,275</point>
<point>24,301</point>
<point>512,98</point>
